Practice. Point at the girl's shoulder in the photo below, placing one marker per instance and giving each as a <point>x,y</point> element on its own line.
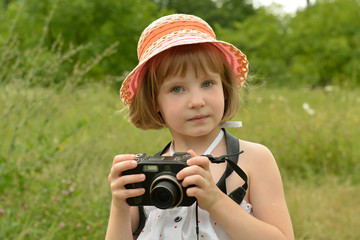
<point>255,155</point>
<point>254,149</point>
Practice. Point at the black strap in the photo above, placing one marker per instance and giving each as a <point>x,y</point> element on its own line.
<point>232,146</point>
<point>233,151</point>
<point>142,220</point>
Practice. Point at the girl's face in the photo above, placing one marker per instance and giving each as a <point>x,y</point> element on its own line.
<point>192,105</point>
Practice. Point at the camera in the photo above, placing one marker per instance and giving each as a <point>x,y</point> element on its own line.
<point>162,189</point>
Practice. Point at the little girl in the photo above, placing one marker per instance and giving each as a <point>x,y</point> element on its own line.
<point>188,81</point>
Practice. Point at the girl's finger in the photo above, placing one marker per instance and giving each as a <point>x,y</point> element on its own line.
<point>200,161</point>
<point>123,194</point>
<point>120,183</point>
<point>123,157</point>
<point>118,168</point>
<point>191,170</point>
<point>192,153</point>
<point>193,180</point>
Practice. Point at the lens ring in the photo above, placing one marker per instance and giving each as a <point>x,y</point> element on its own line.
<point>173,180</point>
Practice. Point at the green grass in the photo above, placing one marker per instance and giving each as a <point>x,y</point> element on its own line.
<point>56,150</point>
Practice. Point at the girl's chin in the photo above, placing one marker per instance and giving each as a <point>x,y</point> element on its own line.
<point>198,131</point>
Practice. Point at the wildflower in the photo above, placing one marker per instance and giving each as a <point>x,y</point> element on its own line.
<point>2,211</point>
<point>330,88</point>
<point>24,205</point>
<point>71,190</point>
<point>62,225</point>
<point>308,109</point>
<point>65,192</point>
<point>78,225</point>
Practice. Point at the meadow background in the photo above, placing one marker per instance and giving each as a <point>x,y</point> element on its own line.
<point>60,124</point>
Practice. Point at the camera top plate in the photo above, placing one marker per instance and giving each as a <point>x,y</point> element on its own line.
<point>179,156</point>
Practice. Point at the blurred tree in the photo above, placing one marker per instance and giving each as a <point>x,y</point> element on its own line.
<point>80,22</point>
<point>4,3</point>
<point>318,46</point>
<point>222,12</point>
<point>261,38</point>
<point>324,42</point>
<point>230,11</point>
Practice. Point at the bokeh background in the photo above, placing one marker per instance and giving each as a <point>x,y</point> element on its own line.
<point>62,63</point>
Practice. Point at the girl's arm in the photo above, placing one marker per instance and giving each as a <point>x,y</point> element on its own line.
<point>123,219</point>
<point>122,223</point>
<point>271,218</point>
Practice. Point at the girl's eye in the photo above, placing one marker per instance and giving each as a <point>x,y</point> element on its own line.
<point>176,89</point>
<point>207,84</point>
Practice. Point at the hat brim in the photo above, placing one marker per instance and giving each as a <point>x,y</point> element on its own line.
<point>236,59</point>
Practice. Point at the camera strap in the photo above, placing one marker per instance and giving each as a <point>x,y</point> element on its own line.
<point>238,194</point>
<point>232,156</point>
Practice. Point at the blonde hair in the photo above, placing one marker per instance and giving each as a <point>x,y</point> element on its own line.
<point>176,60</point>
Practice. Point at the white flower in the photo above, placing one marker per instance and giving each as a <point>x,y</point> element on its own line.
<point>308,109</point>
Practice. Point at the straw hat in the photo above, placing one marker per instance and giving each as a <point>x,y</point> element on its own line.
<point>174,30</point>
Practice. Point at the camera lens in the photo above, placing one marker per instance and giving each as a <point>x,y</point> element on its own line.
<point>165,194</point>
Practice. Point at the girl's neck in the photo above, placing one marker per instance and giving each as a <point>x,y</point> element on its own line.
<point>198,144</point>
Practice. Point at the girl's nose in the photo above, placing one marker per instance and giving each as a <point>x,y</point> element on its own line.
<point>196,100</point>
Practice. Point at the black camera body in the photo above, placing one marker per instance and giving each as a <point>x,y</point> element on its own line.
<point>162,189</point>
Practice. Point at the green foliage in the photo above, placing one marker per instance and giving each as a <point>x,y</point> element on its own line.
<point>57,147</point>
<point>96,24</point>
<point>260,37</point>
<point>222,12</point>
<point>46,66</point>
<point>318,46</point>
<point>310,132</point>
<point>336,51</point>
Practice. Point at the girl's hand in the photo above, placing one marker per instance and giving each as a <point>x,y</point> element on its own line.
<point>117,181</point>
<point>198,174</point>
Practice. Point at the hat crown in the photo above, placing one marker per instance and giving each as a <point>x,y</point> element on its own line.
<point>175,30</point>
<point>168,25</point>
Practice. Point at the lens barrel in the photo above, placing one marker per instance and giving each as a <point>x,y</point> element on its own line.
<point>166,192</point>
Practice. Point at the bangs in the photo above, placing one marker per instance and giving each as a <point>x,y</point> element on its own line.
<point>176,61</point>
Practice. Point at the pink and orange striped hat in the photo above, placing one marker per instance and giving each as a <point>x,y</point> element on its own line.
<point>174,30</point>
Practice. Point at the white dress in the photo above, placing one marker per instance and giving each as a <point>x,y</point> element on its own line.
<point>180,223</point>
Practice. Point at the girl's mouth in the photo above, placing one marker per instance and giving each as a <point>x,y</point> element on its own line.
<point>198,118</point>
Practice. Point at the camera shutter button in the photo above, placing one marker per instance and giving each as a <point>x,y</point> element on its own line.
<point>178,219</point>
